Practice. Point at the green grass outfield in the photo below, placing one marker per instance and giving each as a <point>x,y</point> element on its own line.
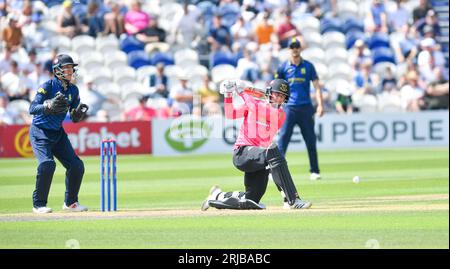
<point>401,202</point>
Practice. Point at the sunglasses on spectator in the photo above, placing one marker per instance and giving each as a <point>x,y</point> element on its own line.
<point>294,46</point>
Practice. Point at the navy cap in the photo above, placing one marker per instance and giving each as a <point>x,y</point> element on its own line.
<point>294,43</point>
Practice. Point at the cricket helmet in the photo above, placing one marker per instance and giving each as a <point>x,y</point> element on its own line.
<point>61,61</point>
<point>279,86</point>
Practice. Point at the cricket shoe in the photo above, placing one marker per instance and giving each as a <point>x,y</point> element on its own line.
<point>213,192</point>
<point>42,210</point>
<point>236,203</point>
<point>75,207</point>
<point>314,176</point>
<point>298,204</point>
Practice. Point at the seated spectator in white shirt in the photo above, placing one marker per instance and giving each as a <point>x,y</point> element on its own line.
<point>93,98</point>
<point>182,96</point>
<point>247,68</point>
<point>13,84</point>
<point>5,61</point>
<point>242,32</point>
<point>411,92</point>
<point>431,62</point>
<point>6,116</point>
<point>359,54</point>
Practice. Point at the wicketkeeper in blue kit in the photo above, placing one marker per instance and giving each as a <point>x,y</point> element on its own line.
<point>48,138</point>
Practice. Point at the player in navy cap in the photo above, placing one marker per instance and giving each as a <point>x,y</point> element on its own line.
<point>299,73</point>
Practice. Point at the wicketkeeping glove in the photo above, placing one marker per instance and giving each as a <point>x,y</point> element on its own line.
<point>79,113</point>
<point>56,105</point>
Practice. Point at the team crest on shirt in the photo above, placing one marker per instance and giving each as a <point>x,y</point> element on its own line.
<point>42,90</point>
<point>70,97</point>
<point>303,71</point>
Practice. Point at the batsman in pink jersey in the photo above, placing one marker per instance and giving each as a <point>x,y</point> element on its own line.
<point>254,152</point>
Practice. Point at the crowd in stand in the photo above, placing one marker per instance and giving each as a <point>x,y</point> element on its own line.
<point>250,34</point>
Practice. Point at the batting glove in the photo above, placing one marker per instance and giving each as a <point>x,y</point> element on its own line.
<point>227,87</point>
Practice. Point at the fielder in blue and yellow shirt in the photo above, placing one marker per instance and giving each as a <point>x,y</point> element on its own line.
<point>48,139</point>
<point>300,73</point>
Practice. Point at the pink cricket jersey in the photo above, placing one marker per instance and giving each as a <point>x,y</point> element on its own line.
<point>261,121</point>
<point>139,19</point>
